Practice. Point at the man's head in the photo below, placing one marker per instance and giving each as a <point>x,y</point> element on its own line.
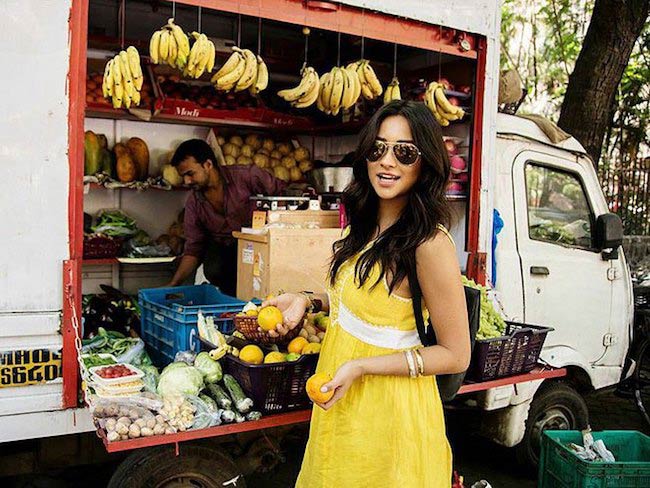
<point>196,163</point>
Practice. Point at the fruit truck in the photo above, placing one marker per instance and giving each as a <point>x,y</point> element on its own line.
<point>532,222</point>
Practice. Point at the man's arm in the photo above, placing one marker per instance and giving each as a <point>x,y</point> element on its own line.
<point>187,266</point>
<point>265,183</point>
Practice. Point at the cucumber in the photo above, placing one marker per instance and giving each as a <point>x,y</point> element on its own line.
<point>254,415</point>
<point>227,416</point>
<point>212,405</point>
<point>242,403</point>
<point>220,396</point>
<point>239,418</point>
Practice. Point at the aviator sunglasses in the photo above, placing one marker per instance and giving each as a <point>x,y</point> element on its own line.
<point>406,153</point>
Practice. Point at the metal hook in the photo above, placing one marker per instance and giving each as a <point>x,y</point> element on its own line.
<point>395,61</point>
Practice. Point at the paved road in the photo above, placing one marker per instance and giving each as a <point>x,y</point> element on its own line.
<point>474,457</point>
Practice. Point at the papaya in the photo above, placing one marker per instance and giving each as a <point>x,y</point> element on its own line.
<point>171,176</point>
<point>92,153</point>
<point>126,168</point>
<point>140,155</point>
<point>107,163</point>
<point>103,142</point>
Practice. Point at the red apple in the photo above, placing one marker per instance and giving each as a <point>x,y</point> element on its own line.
<point>455,187</point>
<point>458,163</point>
<point>454,101</point>
<point>445,82</point>
<point>451,147</point>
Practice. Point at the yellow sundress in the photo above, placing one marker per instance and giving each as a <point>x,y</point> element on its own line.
<point>387,431</point>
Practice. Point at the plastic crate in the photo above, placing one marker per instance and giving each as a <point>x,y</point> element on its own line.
<point>169,317</point>
<point>514,353</point>
<point>275,387</point>
<point>561,468</point>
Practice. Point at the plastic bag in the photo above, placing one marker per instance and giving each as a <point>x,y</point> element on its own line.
<point>135,249</point>
<point>124,419</point>
<point>204,416</point>
<point>115,223</point>
<point>151,377</point>
<point>185,357</point>
<point>135,355</point>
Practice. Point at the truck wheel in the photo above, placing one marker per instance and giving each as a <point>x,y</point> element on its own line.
<point>557,406</point>
<point>196,466</point>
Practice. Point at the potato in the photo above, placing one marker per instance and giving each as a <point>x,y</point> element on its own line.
<point>268,144</point>
<point>146,432</point>
<point>284,148</point>
<point>247,150</point>
<point>254,141</point>
<point>289,162</point>
<point>276,154</point>
<point>123,412</point>
<point>151,422</point>
<point>141,423</point>
<point>244,160</point>
<point>313,338</point>
<point>170,430</point>
<point>134,414</point>
<point>134,431</point>
<point>311,330</point>
<point>230,160</point>
<point>231,149</point>
<point>303,333</point>
<point>110,424</point>
<point>124,437</point>
<point>321,335</point>
<point>158,429</point>
<point>112,436</point>
<point>237,141</point>
<point>261,160</point>
<point>301,154</point>
<point>122,428</point>
<point>124,420</point>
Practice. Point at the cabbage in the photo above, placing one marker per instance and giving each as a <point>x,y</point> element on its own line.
<point>180,379</point>
<point>210,368</point>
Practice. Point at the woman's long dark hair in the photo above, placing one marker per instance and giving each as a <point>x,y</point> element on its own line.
<point>427,207</point>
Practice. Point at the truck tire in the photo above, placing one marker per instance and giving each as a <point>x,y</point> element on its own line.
<point>556,406</point>
<point>196,466</point>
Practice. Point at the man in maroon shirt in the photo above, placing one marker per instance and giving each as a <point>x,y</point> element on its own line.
<point>218,205</point>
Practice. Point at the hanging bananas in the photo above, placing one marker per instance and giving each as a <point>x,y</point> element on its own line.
<point>340,89</point>
<point>201,58</point>
<point>170,45</point>
<point>443,110</point>
<point>370,86</point>
<point>123,79</point>
<point>243,70</point>
<point>306,93</point>
<point>392,91</point>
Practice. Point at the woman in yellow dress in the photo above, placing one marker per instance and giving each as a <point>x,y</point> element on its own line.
<point>384,425</point>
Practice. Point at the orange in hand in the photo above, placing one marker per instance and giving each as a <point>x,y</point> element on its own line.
<point>269,317</point>
<point>313,386</point>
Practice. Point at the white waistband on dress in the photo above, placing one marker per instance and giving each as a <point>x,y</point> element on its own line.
<point>380,336</point>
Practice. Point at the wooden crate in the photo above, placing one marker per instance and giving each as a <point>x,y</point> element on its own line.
<point>283,259</point>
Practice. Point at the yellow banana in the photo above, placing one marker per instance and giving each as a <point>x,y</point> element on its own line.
<point>107,82</point>
<point>311,96</point>
<point>229,79</point>
<point>319,101</point>
<point>182,42</point>
<point>366,90</point>
<point>192,61</point>
<point>304,87</point>
<point>136,69</point>
<point>116,73</point>
<point>129,87</point>
<point>204,56</point>
<point>326,91</point>
<point>164,45</point>
<point>212,54</point>
<point>337,91</point>
<point>262,75</point>
<point>250,70</point>
<point>227,67</point>
<point>127,100</point>
<point>154,47</point>
<point>136,98</point>
<point>430,102</point>
<point>371,79</point>
<point>173,51</point>
<point>347,100</point>
<point>392,91</point>
<point>352,74</point>
<point>443,102</point>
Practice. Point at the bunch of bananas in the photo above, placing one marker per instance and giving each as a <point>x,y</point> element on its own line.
<point>123,79</point>
<point>340,88</point>
<point>242,71</point>
<point>306,93</point>
<point>170,45</point>
<point>392,91</point>
<point>202,56</point>
<point>443,110</point>
<point>370,86</point>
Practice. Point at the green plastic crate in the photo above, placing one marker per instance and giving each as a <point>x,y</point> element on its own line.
<point>559,467</point>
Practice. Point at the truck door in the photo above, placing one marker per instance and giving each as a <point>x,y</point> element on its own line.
<point>564,278</point>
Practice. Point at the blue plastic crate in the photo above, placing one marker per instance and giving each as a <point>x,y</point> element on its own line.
<point>169,317</point>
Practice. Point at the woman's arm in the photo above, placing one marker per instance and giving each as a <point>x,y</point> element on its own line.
<point>293,307</point>
<point>439,277</point>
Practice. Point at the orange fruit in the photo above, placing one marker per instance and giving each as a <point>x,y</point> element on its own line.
<point>269,318</point>
<point>311,348</point>
<point>251,354</point>
<point>297,345</point>
<point>313,386</point>
<point>275,357</point>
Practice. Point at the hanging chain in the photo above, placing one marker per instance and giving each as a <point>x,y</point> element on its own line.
<point>83,372</point>
<point>395,61</point>
<point>199,26</point>
<point>440,58</point>
<point>338,51</point>
<point>239,30</point>
<point>122,22</point>
<point>174,10</point>
<point>363,31</point>
<point>259,36</point>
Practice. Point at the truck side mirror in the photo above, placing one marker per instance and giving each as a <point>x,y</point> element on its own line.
<point>609,234</point>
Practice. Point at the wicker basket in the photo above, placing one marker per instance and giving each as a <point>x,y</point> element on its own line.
<point>249,327</point>
<point>101,247</point>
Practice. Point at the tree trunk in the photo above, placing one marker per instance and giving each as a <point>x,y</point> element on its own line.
<point>613,30</point>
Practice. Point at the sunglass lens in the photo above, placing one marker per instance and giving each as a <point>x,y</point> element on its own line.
<point>377,151</point>
<point>406,153</point>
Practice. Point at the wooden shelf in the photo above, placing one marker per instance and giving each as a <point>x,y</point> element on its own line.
<point>129,261</point>
<point>97,186</point>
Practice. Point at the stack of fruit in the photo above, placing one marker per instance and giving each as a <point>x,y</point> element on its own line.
<point>123,79</point>
<point>392,91</point>
<point>242,71</point>
<point>340,88</point>
<point>306,93</point>
<point>204,96</point>
<point>170,45</point>
<point>459,174</point>
<point>278,158</point>
<point>442,108</point>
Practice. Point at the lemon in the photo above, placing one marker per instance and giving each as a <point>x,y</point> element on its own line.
<point>313,386</point>
<point>311,348</point>
<point>274,357</point>
<point>269,318</point>
<point>251,354</point>
<point>251,313</point>
<point>297,344</point>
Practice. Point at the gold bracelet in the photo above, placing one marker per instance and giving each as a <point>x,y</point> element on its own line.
<point>411,363</point>
<point>420,362</point>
